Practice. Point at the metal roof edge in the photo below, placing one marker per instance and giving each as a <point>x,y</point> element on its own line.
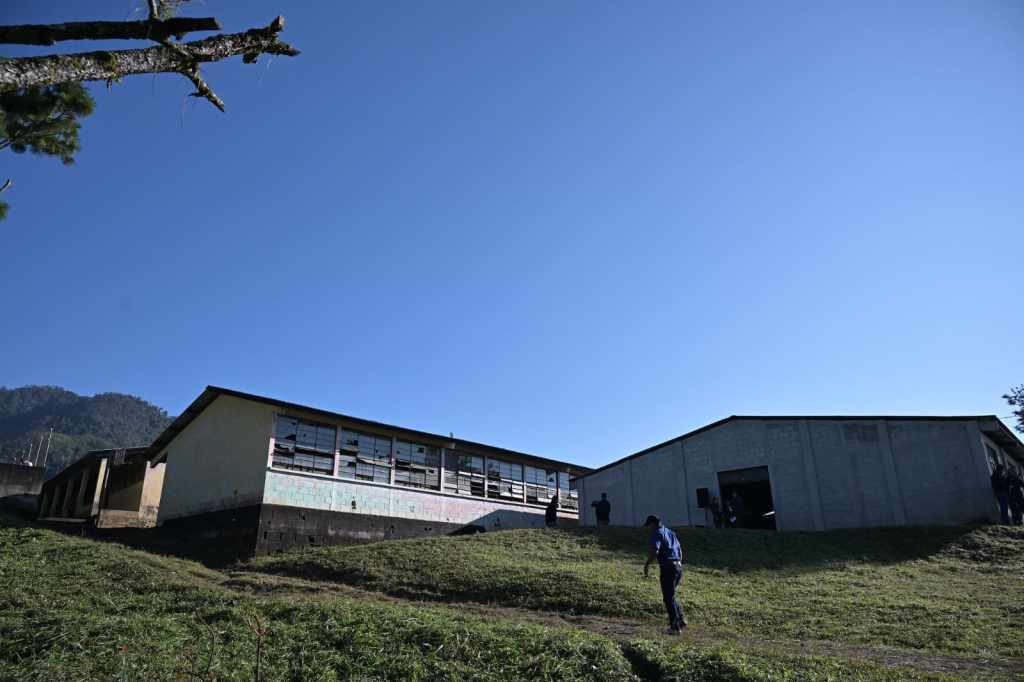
<point>210,393</point>
<point>781,417</point>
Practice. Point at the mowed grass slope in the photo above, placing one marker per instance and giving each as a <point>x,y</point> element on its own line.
<point>75,609</point>
<point>952,590</point>
<point>84,610</point>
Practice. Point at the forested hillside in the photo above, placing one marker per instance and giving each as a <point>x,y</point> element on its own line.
<point>80,423</point>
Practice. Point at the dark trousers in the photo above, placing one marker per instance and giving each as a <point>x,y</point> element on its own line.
<point>671,574</point>
<point>1017,511</point>
<point>1004,507</point>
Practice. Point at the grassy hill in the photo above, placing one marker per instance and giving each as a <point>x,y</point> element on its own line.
<point>76,609</point>
<point>949,590</point>
<point>80,423</point>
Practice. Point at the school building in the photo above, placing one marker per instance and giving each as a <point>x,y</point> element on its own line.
<point>814,473</point>
<point>266,475</point>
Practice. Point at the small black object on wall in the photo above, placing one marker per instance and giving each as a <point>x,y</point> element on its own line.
<point>703,498</point>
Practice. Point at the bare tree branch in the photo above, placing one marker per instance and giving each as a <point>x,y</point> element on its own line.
<point>25,72</point>
<point>6,185</point>
<point>190,70</point>
<point>50,34</point>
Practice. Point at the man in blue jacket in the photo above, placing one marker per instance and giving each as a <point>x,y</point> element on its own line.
<point>663,546</point>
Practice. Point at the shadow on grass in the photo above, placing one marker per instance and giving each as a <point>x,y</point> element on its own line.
<point>214,555</point>
<point>752,550</point>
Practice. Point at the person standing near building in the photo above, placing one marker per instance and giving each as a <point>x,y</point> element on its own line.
<point>602,509</point>
<point>551,513</point>
<point>716,511</point>
<point>664,548</point>
<point>1001,489</point>
<point>1015,493</point>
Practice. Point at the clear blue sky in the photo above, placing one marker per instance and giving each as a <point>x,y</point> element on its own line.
<point>573,228</point>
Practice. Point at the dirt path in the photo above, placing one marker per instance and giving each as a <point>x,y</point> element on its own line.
<point>622,630</point>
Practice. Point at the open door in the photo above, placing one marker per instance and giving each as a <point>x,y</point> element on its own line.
<point>753,497</point>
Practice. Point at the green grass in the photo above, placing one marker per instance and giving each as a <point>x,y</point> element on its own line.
<point>76,609</point>
<point>689,664</point>
<point>952,590</point>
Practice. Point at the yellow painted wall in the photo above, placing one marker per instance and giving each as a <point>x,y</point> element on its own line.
<point>219,461</point>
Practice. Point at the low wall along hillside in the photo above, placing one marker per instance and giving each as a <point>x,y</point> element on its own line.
<point>16,479</point>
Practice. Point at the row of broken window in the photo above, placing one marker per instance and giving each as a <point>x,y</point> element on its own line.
<point>307,446</point>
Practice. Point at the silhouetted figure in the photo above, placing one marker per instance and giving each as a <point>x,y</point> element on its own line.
<point>716,512</point>
<point>551,513</point>
<point>1015,493</point>
<point>603,510</point>
<point>664,547</point>
<point>736,511</point>
<point>1001,489</point>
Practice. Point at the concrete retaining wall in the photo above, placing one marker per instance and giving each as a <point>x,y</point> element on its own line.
<point>18,480</point>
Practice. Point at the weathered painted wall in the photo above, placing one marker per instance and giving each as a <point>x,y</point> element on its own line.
<point>824,473</point>
<point>124,486</point>
<point>219,461</point>
<point>312,491</point>
<point>16,479</point>
<point>152,490</point>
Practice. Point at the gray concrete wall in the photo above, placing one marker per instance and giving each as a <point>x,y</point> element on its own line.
<point>825,474</point>
<point>16,479</point>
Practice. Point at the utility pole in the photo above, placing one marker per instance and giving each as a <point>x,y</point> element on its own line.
<point>47,454</point>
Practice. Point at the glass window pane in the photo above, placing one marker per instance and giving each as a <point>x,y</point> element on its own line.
<point>284,429</point>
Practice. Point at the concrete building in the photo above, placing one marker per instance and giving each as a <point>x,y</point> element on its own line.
<point>108,488</point>
<point>814,473</point>
<point>267,475</point>
<point>20,484</point>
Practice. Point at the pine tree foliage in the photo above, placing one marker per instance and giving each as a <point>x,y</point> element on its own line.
<point>1015,398</point>
<point>44,120</point>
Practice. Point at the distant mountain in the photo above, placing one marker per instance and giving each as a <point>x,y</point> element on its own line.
<point>80,423</point>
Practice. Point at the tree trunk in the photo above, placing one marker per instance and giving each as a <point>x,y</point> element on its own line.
<point>49,34</point>
<point>26,72</point>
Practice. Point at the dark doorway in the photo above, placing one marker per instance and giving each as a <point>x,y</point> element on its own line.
<point>754,507</point>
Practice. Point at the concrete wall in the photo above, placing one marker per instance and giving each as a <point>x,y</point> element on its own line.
<point>152,490</point>
<point>219,460</point>
<point>124,485</point>
<point>16,479</point>
<point>316,492</point>
<point>824,473</point>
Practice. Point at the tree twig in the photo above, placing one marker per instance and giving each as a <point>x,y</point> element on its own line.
<point>153,29</point>
<point>25,72</point>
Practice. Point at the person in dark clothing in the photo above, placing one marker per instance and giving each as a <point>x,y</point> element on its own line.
<point>716,511</point>
<point>551,513</point>
<point>736,511</point>
<point>1015,493</point>
<point>664,548</point>
<point>603,510</point>
<point>1001,489</point>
